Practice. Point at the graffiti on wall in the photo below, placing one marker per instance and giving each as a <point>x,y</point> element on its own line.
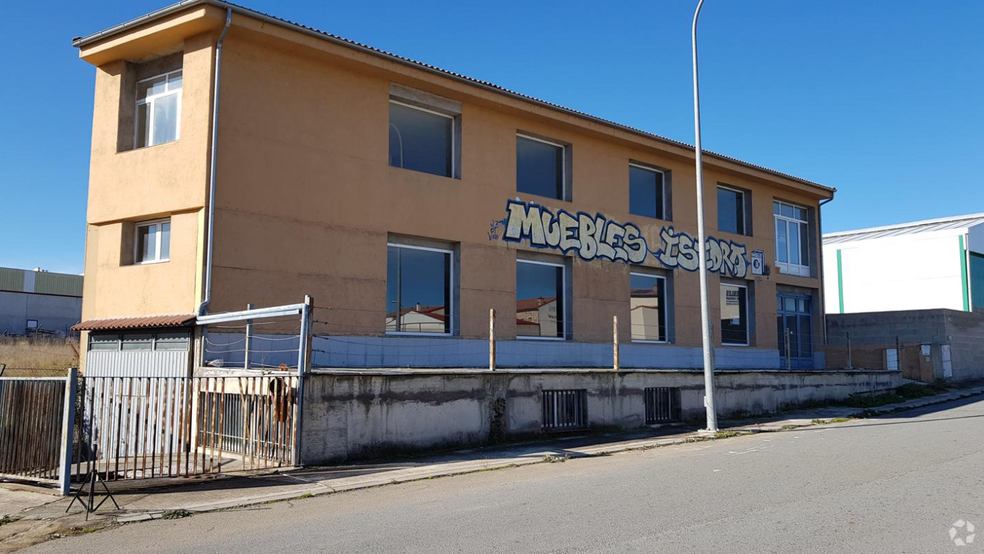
<point>595,236</point>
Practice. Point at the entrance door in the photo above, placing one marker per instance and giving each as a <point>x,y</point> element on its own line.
<point>795,325</point>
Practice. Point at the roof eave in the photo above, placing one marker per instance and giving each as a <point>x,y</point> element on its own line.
<point>80,42</point>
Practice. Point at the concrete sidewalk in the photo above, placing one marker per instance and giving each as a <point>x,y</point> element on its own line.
<point>140,503</point>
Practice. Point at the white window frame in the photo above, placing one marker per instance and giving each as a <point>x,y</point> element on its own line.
<point>744,216</point>
<point>748,329</point>
<point>563,163</point>
<point>454,138</point>
<point>666,315</point>
<point>636,165</point>
<point>563,296</point>
<point>789,268</point>
<point>451,306</point>
<point>159,223</point>
<point>150,110</point>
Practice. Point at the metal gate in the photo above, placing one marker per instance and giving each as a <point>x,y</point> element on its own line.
<point>146,427</point>
<point>32,422</point>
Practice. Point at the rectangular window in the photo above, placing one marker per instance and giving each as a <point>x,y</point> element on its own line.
<point>646,194</point>
<point>152,243</point>
<point>792,239</point>
<point>172,341</point>
<point>158,109</point>
<point>731,210</point>
<point>540,309</point>
<point>648,305</point>
<point>418,289</point>
<point>104,343</point>
<point>734,314</point>
<point>539,167</point>
<point>421,139</point>
<point>137,341</point>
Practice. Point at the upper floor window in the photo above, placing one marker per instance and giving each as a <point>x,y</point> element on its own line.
<point>418,289</point>
<point>541,167</point>
<point>647,195</point>
<point>792,239</point>
<point>152,242</point>
<point>731,210</point>
<point>158,109</point>
<point>421,139</point>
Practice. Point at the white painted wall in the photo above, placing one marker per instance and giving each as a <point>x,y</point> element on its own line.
<point>909,272</point>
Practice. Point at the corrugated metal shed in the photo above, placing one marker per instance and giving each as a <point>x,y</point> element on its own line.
<point>149,322</point>
<point>11,279</point>
<point>924,226</point>
<point>57,283</point>
<point>41,282</point>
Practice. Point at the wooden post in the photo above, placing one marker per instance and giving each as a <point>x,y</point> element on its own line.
<point>68,428</point>
<point>615,341</point>
<point>249,338</point>
<point>492,339</point>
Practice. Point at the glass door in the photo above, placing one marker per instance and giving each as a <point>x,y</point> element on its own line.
<point>795,325</point>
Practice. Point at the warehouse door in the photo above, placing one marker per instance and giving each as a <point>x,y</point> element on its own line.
<point>795,325</point>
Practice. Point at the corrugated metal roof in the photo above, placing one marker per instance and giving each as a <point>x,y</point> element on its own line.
<point>147,322</point>
<point>152,16</point>
<point>900,229</point>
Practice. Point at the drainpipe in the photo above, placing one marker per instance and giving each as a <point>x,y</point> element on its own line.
<point>823,285</point>
<point>203,307</point>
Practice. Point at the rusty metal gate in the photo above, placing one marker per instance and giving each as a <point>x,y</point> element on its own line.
<point>32,415</point>
<point>146,427</point>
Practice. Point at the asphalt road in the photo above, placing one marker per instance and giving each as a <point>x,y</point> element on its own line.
<point>893,484</point>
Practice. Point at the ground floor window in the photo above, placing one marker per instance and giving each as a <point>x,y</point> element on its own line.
<point>418,289</point>
<point>648,307</point>
<point>734,314</point>
<point>540,306</point>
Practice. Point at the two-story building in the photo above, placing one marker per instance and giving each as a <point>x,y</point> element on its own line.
<point>409,201</point>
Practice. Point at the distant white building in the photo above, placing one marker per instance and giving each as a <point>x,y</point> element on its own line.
<point>935,263</point>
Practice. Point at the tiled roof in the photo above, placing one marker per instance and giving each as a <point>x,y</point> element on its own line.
<point>900,229</point>
<point>148,322</point>
<point>82,41</point>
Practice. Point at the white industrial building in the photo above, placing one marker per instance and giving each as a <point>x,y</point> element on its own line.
<point>935,263</point>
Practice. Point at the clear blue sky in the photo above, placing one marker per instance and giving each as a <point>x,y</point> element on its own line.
<point>883,100</point>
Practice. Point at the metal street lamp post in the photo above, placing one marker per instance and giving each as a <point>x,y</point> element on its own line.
<point>701,248</point>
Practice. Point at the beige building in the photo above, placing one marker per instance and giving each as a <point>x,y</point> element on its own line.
<point>409,201</point>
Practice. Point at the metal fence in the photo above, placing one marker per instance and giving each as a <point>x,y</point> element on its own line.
<point>146,427</point>
<point>32,423</point>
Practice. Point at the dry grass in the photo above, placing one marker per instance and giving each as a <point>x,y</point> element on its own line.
<point>20,353</point>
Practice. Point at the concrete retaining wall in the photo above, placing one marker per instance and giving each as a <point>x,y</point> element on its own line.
<point>361,415</point>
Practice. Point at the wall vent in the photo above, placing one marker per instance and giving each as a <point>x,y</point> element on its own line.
<point>565,409</point>
<point>662,404</point>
